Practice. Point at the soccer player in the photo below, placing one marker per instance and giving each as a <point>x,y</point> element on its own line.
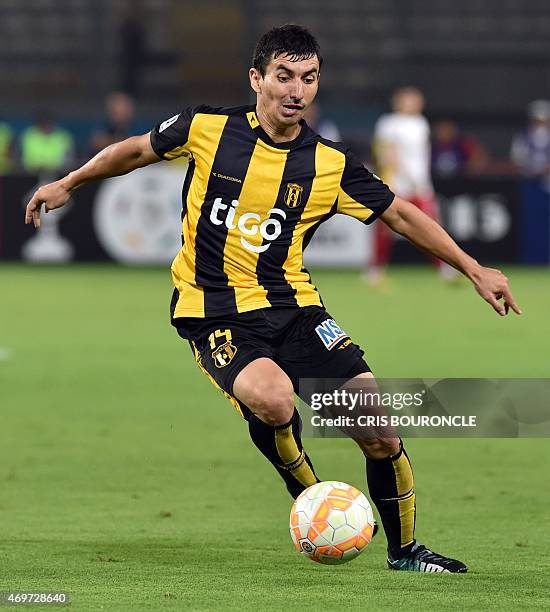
<point>402,152</point>
<point>259,183</point>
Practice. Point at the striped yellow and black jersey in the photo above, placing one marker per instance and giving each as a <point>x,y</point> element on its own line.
<point>250,207</point>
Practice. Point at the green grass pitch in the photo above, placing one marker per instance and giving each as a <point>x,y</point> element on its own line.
<point>128,481</point>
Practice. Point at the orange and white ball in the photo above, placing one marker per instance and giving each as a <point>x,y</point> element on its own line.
<point>331,522</point>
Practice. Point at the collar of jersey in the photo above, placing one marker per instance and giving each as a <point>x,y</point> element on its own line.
<point>289,144</point>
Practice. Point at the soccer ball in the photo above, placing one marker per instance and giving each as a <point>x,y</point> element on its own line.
<point>331,522</point>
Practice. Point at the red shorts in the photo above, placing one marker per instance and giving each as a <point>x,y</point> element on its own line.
<point>428,205</point>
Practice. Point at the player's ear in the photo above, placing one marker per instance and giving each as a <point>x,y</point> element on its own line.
<point>255,80</point>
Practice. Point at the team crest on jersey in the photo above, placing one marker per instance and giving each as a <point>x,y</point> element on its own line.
<point>293,195</point>
<point>222,354</point>
<point>330,333</point>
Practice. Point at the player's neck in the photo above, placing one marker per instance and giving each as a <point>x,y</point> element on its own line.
<point>277,134</point>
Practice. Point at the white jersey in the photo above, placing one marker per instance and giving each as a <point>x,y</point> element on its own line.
<point>409,138</point>
<point>329,130</point>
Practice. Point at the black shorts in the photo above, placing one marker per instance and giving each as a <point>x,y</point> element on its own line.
<point>304,342</point>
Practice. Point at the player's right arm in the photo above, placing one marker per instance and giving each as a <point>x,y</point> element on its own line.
<point>365,197</point>
<point>115,160</point>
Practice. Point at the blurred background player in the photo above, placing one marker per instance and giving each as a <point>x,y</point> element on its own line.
<point>45,146</point>
<point>324,127</point>
<point>402,153</point>
<point>455,153</point>
<point>118,123</point>
<point>530,157</point>
<point>530,150</point>
<point>6,147</point>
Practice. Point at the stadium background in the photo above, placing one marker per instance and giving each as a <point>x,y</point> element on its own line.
<point>125,478</point>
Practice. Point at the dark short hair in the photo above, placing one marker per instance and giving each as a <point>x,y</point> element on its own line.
<point>293,40</point>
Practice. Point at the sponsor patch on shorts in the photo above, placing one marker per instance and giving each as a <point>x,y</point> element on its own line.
<point>330,333</point>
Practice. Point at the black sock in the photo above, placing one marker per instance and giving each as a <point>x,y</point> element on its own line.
<point>391,488</point>
<point>283,447</point>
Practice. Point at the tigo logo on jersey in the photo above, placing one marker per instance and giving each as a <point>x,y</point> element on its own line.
<point>330,333</point>
<point>249,224</point>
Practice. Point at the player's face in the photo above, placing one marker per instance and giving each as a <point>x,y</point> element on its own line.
<point>287,89</point>
<point>409,102</point>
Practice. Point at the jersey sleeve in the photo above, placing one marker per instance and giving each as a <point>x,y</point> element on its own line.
<point>362,194</point>
<point>170,139</point>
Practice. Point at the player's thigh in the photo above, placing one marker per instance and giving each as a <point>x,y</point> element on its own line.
<point>224,347</point>
<point>267,390</point>
<point>316,347</point>
<point>319,350</point>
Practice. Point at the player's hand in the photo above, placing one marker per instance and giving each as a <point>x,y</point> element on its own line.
<point>51,196</point>
<point>492,286</point>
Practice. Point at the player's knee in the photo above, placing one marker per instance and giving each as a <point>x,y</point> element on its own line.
<point>274,401</point>
<point>379,448</point>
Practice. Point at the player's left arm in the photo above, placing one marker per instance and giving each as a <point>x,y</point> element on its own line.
<point>425,233</point>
